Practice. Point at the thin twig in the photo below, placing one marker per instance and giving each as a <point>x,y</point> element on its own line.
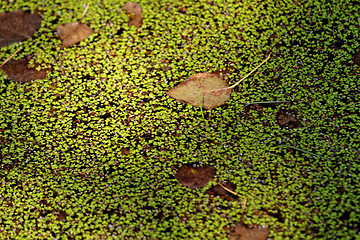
<point>9,58</point>
<point>87,6</point>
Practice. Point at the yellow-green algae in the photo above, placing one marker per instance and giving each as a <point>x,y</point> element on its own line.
<point>90,152</point>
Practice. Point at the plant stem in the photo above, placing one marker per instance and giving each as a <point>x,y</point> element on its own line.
<point>237,83</point>
<point>87,6</point>
<point>9,58</point>
<point>305,151</point>
<point>201,109</point>
<point>247,104</point>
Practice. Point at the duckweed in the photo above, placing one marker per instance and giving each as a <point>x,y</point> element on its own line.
<point>91,151</point>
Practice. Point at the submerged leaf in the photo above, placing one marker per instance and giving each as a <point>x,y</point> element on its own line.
<point>195,177</point>
<point>356,58</point>
<point>241,232</point>
<point>286,120</point>
<point>218,190</point>
<point>17,26</point>
<point>197,90</point>
<point>18,70</point>
<point>61,216</point>
<point>71,33</point>
<point>135,14</point>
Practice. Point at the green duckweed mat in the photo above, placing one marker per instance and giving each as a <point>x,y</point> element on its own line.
<point>91,151</point>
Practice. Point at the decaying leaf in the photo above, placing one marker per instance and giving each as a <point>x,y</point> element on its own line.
<point>241,232</point>
<point>286,120</point>
<point>195,177</point>
<point>17,26</point>
<point>356,58</point>
<point>18,70</point>
<point>61,216</point>
<point>135,14</point>
<point>218,190</point>
<point>197,90</point>
<point>71,33</point>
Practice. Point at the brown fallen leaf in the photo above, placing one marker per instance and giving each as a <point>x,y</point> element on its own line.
<point>17,26</point>
<point>18,70</point>
<point>196,90</point>
<point>195,177</point>
<point>241,232</point>
<point>135,14</point>
<point>71,33</point>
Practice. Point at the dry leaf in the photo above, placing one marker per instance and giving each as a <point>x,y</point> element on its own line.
<point>135,14</point>
<point>18,70</point>
<point>71,33</point>
<point>196,90</point>
<point>195,177</point>
<point>17,26</point>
